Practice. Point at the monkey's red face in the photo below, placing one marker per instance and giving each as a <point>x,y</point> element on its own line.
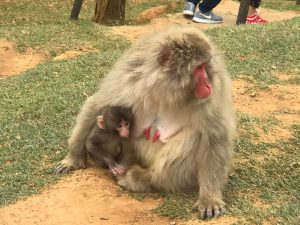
<point>123,129</point>
<point>203,84</point>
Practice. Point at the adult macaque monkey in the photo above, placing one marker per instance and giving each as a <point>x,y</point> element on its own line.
<point>176,72</point>
<point>104,142</point>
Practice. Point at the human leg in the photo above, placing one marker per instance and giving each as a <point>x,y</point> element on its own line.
<point>205,14</point>
<point>253,16</point>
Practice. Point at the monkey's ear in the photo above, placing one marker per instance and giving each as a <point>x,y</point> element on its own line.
<point>100,122</point>
<point>164,55</point>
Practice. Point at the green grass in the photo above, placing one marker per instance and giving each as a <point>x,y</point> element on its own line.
<point>280,4</point>
<point>38,107</point>
<point>256,50</point>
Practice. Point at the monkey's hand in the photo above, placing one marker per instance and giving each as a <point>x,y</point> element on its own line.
<point>117,169</point>
<point>209,208</point>
<point>67,164</point>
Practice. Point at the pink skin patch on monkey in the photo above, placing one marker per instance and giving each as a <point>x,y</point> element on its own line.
<point>156,136</point>
<point>203,88</point>
<point>146,132</point>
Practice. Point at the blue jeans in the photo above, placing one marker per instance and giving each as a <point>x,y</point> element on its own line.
<point>206,5</point>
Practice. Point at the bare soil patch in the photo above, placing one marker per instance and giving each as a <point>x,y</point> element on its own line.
<point>13,62</point>
<point>89,196</point>
<point>285,76</point>
<point>279,98</point>
<point>275,134</point>
<point>75,52</point>
<point>86,197</point>
<point>280,101</point>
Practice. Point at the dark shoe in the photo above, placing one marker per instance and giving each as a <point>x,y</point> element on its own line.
<point>189,8</point>
<point>208,17</point>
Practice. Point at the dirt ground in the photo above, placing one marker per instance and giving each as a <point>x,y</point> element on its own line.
<point>91,196</point>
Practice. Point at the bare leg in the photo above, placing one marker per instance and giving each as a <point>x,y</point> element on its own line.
<point>251,10</point>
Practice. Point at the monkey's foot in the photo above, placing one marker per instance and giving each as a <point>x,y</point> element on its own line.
<point>136,179</point>
<point>66,165</point>
<point>209,209</point>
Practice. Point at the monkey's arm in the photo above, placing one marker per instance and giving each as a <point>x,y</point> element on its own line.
<point>85,122</point>
<point>213,167</point>
<point>102,158</point>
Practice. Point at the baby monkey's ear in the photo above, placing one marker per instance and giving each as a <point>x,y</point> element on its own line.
<point>164,55</point>
<point>100,122</point>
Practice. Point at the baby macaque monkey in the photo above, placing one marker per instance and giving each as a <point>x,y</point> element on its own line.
<point>104,142</point>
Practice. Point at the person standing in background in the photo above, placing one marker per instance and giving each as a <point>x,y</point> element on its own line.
<point>253,17</point>
<point>205,14</point>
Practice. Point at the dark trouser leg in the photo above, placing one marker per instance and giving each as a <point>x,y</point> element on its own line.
<point>208,5</point>
<point>196,2</point>
<point>255,3</point>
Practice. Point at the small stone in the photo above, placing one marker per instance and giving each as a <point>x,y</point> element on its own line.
<point>104,218</point>
<point>242,92</point>
<point>295,165</point>
<point>253,94</point>
<point>173,223</point>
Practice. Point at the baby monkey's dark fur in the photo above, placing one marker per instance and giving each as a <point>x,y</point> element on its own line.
<point>103,145</point>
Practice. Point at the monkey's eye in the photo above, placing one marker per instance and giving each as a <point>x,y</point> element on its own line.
<point>127,123</point>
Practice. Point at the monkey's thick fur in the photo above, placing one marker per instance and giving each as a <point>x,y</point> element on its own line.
<point>156,75</point>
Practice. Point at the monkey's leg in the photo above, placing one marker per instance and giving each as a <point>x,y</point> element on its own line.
<point>136,179</point>
<point>127,156</point>
<point>214,162</point>
<point>77,155</point>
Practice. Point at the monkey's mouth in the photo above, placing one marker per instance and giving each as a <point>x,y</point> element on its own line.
<point>125,134</point>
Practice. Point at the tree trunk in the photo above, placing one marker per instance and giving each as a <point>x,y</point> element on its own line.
<point>297,2</point>
<point>109,11</point>
<point>243,12</point>
<point>76,9</point>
